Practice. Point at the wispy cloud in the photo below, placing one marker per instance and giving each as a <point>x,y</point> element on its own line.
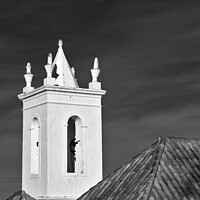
<point>149,58</point>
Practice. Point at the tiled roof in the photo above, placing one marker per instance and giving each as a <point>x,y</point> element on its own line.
<point>169,169</point>
<point>20,195</point>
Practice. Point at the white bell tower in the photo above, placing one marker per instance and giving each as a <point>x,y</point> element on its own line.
<point>62,132</point>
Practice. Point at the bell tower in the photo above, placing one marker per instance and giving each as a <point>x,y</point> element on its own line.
<point>62,132</point>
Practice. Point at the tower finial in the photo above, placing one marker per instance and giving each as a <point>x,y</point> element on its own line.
<point>95,73</point>
<point>96,63</point>
<point>73,71</point>
<point>28,78</point>
<point>60,43</point>
<point>49,68</point>
<point>28,68</point>
<point>49,59</point>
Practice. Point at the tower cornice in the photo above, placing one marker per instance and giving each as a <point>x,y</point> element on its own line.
<point>61,89</point>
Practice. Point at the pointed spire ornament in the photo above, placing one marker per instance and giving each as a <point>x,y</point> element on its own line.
<point>60,43</point>
<point>28,78</point>
<point>95,74</point>
<point>65,75</point>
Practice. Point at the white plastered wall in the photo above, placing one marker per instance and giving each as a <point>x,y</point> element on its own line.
<point>54,108</point>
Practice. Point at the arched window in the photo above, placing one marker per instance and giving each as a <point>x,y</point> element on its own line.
<point>75,161</point>
<point>35,147</point>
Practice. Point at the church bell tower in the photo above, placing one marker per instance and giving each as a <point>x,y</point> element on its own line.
<point>62,132</point>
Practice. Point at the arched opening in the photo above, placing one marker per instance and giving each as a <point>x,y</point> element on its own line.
<point>34,165</point>
<point>74,146</point>
<point>71,146</point>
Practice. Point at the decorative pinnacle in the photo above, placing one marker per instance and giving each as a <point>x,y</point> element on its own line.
<point>48,66</point>
<point>95,71</point>
<point>49,59</point>
<point>28,68</point>
<point>28,78</point>
<point>73,70</point>
<point>60,43</point>
<point>96,63</point>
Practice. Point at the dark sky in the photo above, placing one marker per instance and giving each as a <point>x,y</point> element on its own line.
<point>149,55</point>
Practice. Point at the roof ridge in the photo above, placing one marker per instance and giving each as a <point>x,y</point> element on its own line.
<point>22,194</point>
<point>156,163</point>
<point>118,170</point>
<point>179,138</point>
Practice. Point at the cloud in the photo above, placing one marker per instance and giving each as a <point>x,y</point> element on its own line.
<point>149,59</point>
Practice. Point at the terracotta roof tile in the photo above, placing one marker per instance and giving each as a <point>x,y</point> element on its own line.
<point>169,169</point>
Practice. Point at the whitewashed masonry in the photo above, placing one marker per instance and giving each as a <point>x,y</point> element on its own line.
<point>62,132</point>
